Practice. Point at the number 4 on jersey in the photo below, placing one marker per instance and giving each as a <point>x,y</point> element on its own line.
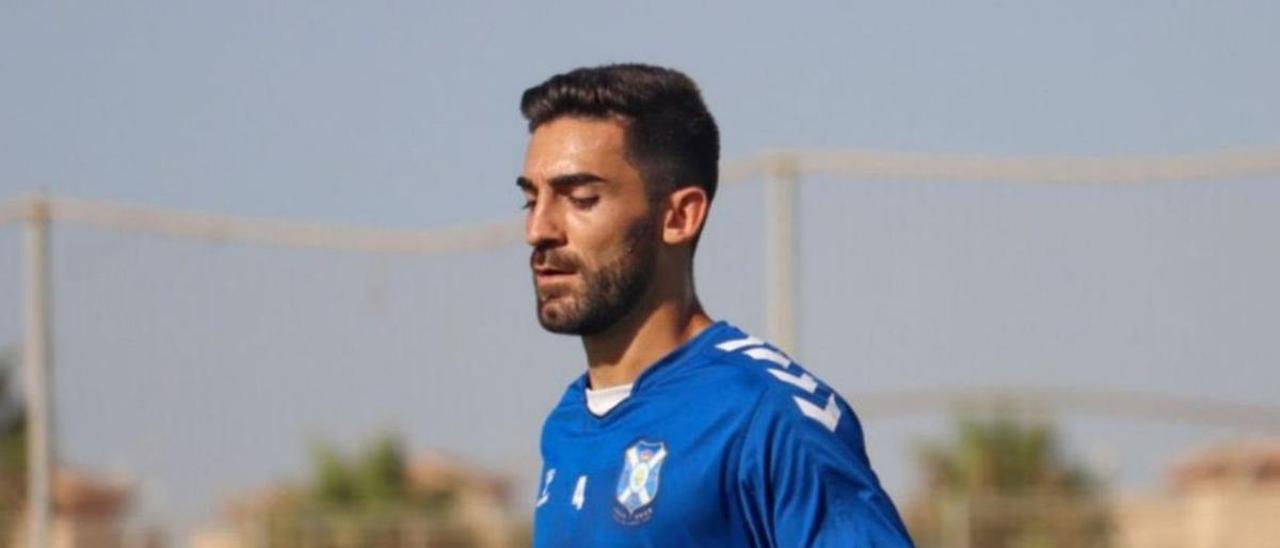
<point>580,493</point>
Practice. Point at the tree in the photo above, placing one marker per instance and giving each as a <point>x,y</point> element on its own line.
<point>364,499</point>
<point>1001,481</point>
<point>373,480</point>
<point>13,436</point>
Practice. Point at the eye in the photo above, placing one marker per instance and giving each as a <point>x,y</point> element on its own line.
<point>584,203</point>
<point>528,204</point>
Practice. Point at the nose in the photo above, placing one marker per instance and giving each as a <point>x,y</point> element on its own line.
<point>542,228</point>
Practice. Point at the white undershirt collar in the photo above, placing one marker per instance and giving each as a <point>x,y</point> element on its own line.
<point>603,400</point>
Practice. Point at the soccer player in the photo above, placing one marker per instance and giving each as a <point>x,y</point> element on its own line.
<point>684,431</point>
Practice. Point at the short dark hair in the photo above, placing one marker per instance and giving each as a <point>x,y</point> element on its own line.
<point>670,136</point>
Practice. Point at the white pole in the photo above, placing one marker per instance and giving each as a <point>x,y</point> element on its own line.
<point>38,356</point>
<point>780,254</point>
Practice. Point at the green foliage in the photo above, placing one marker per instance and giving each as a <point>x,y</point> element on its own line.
<point>375,479</point>
<point>332,484</point>
<point>1002,456</point>
<point>361,499</point>
<point>13,434</point>
<point>380,476</point>
<point>1002,481</point>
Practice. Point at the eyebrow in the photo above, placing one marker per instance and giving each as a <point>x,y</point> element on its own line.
<point>562,181</point>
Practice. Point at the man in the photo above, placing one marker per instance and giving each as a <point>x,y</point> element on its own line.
<point>683,431</point>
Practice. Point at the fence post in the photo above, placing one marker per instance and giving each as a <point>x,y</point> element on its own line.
<point>38,364</point>
<point>780,254</point>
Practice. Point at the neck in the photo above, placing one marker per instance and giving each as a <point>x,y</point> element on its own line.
<point>618,355</point>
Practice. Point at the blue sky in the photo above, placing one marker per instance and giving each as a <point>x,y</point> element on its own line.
<point>202,369</point>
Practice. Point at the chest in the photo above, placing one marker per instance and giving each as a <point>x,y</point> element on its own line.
<point>645,480</point>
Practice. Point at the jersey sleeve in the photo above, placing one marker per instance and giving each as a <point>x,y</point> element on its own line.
<point>806,477</point>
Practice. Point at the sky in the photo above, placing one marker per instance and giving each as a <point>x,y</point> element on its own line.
<point>200,370</point>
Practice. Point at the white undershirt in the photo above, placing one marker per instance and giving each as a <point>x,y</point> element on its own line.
<point>601,401</point>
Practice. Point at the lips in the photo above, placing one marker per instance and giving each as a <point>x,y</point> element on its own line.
<point>552,274</point>
<point>545,263</point>
<point>552,267</point>
<point>552,270</point>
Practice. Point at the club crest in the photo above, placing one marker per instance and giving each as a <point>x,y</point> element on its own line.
<point>638,482</point>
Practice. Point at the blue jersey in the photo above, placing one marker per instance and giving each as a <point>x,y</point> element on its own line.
<point>723,442</point>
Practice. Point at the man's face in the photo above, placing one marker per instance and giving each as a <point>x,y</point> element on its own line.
<point>588,219</point>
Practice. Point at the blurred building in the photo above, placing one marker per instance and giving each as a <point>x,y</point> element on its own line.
<point>1224,496</point>
<point>474,510</point>
<point>90,513</point>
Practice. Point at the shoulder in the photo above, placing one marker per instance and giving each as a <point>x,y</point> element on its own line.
<point>722,361</point>
<point>744,359</point>
<point>789,401</point>
<point>728,373</point>
<point>770,372</point>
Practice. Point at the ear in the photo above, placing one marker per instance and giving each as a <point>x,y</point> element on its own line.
<point>686,212</point>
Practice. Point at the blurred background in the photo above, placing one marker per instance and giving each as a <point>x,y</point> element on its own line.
<point>1033,244</point>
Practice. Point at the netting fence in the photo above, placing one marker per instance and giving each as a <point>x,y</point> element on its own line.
<point>211,373</point>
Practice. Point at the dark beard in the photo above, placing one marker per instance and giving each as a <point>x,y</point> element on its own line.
<point>611,291</point>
